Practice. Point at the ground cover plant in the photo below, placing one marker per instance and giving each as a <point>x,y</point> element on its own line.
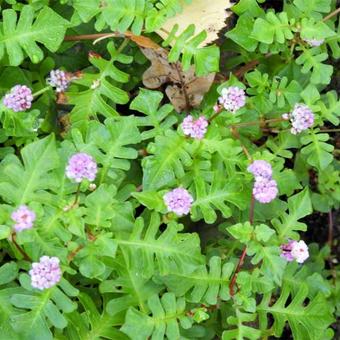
<point>162,163</point>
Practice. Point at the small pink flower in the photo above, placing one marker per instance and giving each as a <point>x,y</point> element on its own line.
<point>178,201</point>
<point>19,98</point>
<point>286,250</point>
<point>217,108</point>
<point>295,250</point>
<point>232,98</point>
<point>46,273</point>
<point>301,118</point>
<point>81,166</point>
<point>314,42</point>
<point>59,79</point>
<point>260,168</point>
<point>23,218</point>
<point>265,189</point>
<point>194,128</point>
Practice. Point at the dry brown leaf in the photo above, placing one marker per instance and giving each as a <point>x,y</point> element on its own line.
<point>142,41</point>
<point>206,15</point>
<point>185,90</point>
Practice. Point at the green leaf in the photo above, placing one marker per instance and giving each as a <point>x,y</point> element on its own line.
<point>151,199</point>
<point>263,232</point>
<point>43,306</point>
<point>7,311</point>
<point>119,15</point>
<point>241,331</point>
<point>281,92</point>
<point>95,325</point>
<point>133,286</point>
<point>311,60</point>
<point>205,59</point>
<point>20,38</point>
<point>242,232</point>
<point>166,313</point>
<point>240,34</point>
<point>287,182</point>
<point>164,251</point>
<point>282,143</point>
<point>307,319</point>
<point>8,272</point>
<point>273,264</point>
<point>299,206</point>
<point>249,7</point>
<point>102,89</point>
<point>204,284</point>
<point>110,143</point>
<point>19,124</point>
<point>160,119</point>
<point>313,7</point>
<point>315,30</point>
<point>22,183</point>
<point>215,196</point>
<point>100,207</point>
<point>319,153</point>
<point>274,28</point>
<point>172,153</point>
<point>334,43</point>
<point>330,107</point>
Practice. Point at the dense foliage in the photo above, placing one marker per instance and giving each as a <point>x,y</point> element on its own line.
<point>133,209</point>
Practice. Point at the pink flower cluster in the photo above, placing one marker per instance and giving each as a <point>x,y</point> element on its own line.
<point>23,218</point>
<point>260,168</point>
<point>46,273</point>
<point>59,79</point>
<point>301,118</point>
<point>265,187</point>
<point>195,128</point>
<point>81,166</point>
<point>232,98</point>
<point>314,42</point>
<point>19,98</point>
<point>178,201</point>
<point>295,250</point>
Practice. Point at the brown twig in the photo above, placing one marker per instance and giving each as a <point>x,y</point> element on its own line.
<point>94,36</point>
<point>21,251</point>
<point>332,14</point>
<point>244,252</point>
<point>185,93</point>
<point>73,253</point>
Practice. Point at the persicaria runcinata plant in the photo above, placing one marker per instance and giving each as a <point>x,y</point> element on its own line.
<point>169,169</point>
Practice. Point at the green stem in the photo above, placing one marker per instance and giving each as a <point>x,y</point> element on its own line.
<point>123,45</point>
<point>43,90</point>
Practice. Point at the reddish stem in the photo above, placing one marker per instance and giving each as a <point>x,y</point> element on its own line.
<point>244,252</point>
<point>21,251</point>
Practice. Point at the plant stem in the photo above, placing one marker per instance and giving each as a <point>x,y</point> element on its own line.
<point>329,130</point>
<point>244,252</point>
<point>77,197</point>
<point>72,255</point>
<point>43,90</point>
<point>91,36</point>
<point>21,251</point>
<point>332,14</point>
<point>122,46</point>
<point>215,115</point>
<point>245,150</point>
